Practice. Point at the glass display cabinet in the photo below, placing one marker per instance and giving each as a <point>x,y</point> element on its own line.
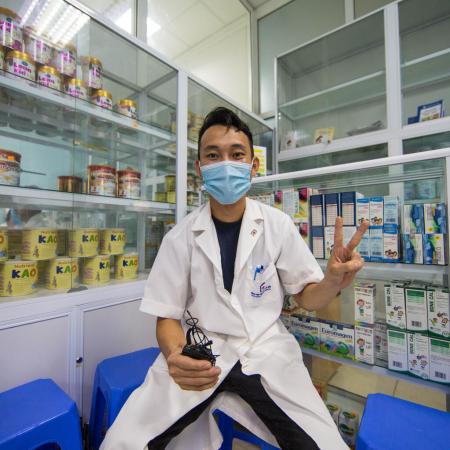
<point>386,323</point>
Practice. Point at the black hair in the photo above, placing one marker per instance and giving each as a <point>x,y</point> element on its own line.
<point>226,117</point>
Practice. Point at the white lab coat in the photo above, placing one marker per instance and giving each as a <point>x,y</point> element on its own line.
<point>243,325</point>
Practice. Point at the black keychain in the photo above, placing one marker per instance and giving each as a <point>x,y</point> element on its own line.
<point>198,346</point>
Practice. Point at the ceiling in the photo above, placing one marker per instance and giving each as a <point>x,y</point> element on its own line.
<point>257,3</point>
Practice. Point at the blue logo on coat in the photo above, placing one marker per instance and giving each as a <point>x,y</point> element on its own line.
<point>262,289</point>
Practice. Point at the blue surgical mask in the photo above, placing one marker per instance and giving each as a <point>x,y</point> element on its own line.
<point>227,181</point>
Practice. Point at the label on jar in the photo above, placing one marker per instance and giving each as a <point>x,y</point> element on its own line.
<point>96,270</point>
<point>83,242</point>
<point>49,80</point>
<point>112,241</point>
<point>39,244</point>
<point>127,110</point>
<point>20,68</point>
<point>102,182</point>
<point>10,33</point>
<point>18,278</point>
<point>61,273</point>
<point>126,266</point>
<point>9,173</point>
<point>129,186</point>
<point>102,101</point>
<point>38,49</point>
<point>92,75</point>
<point>77,91</point>
<point>65,61</point>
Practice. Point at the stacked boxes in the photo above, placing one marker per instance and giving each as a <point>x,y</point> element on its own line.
<point>337,339</point>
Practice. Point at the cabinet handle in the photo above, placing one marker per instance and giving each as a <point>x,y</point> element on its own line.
<point>79,360</point>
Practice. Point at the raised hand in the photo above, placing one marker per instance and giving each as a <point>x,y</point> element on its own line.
<point>344,262</point>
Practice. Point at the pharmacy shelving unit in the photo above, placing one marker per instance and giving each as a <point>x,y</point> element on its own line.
<point>64,334</point>
<point>382,176</point>
<point>364,80</point>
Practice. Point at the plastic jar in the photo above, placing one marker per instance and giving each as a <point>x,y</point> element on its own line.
<point>76,88</point>
<point>49,77</point>
<point>20,64</point>
<point>127,108</point>
<point>102,180</point>
<point>70,184</point>
<point>65,60</point>
<point>18,278</point>
<point>126,266</point>
<point>7,155</point>
<point>9,173</point>
<point>92,71</point>
<point>128,184</point>
<point>39,244</point>
<point>102,98</point>
<point>37,47</point>
<point>10,31</point>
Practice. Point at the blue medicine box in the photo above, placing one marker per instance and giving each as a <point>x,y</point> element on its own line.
<point>332,208</point>
<point>348,207</point>
<point>317,242</point>
<point>317,210</point>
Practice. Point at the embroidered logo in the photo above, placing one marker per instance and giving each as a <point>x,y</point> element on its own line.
<point>263,288</point>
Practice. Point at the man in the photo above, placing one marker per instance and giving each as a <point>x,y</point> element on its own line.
<point>229,263</point>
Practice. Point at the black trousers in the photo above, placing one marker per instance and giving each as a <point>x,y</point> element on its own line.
<point>249,387</point>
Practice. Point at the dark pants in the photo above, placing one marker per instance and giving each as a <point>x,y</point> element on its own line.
<point>249,387</point>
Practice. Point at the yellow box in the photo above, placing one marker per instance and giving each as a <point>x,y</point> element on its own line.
<point>3,244</point>
<point>96,270</point>
<point>61,273</point>
<point>126,266</point>
<point>39,244</point>
<point>112,241</point>
<point>18,278</point>
<point>83,242</point>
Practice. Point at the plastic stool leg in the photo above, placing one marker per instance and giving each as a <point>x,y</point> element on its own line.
<point>96,419</point>
<point>70,440</point>
<point>226,428</point>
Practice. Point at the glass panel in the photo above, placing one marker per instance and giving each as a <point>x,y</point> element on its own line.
<point>426,143</point>
<point>333,159</point>
<point>363,7</point>
<point>425,59</point>
<point>333,87</point>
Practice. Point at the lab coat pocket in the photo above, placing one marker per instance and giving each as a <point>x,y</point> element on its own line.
<point>264,286</point>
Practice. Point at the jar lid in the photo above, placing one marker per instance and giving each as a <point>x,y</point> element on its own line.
<point>101,93</point>
<point>21,55</point>
<point>48,69</point>
<point>128,172</point>
<point>127,102</point>
<point>8,12</point>
<point>100,167</point>
<point>76,82</point>
<point>94,60</point>
<point>11,156</point>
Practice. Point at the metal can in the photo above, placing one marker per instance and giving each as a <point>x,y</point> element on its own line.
<point>160,197</point>
<point>102,98</point>
<point>49,77</point>
<point>102,180</point>
<point>39,244</point>
<point>65,60</point>
<point>9,173</point>
<point>112,241</point>
<point>96,270</point>
<point>192,198</point>
<point>92,70</point>
<point>3,244</point>
<point>8,155</point>
<point>127,108</point>
<point>10,31</point>
<point>126,266</point>
<point>128,184</point>
<point>76,88</point>
<point>37,47</point>
<point>83,242</point>
<point>171,197</point>
<point>170,182</point>
<point>20,64</point>
<point>68,183</point>
<point>18,278</point>
<point>61,273</point>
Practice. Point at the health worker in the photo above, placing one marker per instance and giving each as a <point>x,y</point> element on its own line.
<point>230,263</point>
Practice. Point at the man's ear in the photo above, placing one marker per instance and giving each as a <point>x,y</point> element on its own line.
<point>197,168</point>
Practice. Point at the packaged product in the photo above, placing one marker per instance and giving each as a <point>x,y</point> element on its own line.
<point>376,244</point>
<point>362,210</point>
<point>127,107</point>
<point>332,208</point>
<point>11,35</point>
<point>20,64</point>
<point>364,247</point>
<point>391,244</point>
<point>391,211</point>
<point>102,98</point>
<point>129,184</point>
<point>438,304</point>
<point>364,344</point>
<point>102,180</point>
<point>317,242</point>
<point>380,344</point>
<point>418,355</point>
<point>376,211</point>
<point>317,210</point>
<point>61,273</point>
<point>170,182</point>
<point>413,219</point>
<point>112,241</point>
<point>18,278</point>
<point>49,77</point>
<point>76,88</point>
<point>65,61</point>
<point>3,244</point>
<point>126,266</point>
<point>329,241</point>
<point>440,360</point>
<point>348,207</point>
<point>412,248</point>
<point>83,242</point>
<point>394,296</point>
<point>416,308</point>
<point>435,249</point>
<point>92,70</point>
<point>39,244</point>
<point>397,350</point>
<point>435,216</point>
<point>96,270</point>
<point>364,294</point>
<point>306,331</point>
<point>37,47</point>
<point>9,173</point>
<point>337,339</point>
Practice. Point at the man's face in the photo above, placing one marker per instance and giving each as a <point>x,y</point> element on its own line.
<point>220,143</point>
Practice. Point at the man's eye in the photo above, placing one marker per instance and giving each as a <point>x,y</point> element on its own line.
<point>211,156</point>
<point>239,155</point>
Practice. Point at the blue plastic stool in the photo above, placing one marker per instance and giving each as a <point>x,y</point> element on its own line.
<point>226,426</point>
<point>389,423</point>
<point>115,379</point>
<point>38,413</point>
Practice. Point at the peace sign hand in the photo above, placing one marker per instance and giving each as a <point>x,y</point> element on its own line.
<point>344,262</point>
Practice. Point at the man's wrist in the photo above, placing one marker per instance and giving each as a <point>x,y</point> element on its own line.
<point>331,284</point>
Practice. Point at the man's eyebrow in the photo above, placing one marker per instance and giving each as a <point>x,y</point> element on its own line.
<point>210,147</point>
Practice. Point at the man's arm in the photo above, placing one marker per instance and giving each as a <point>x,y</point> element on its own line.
<point>170,336</point>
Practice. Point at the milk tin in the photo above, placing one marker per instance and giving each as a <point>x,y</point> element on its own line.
<point>18,278</point>
<point>126,266</point>
<point>61,273</point>
<point>83,242</point>
<point>112,241</point>
<point>96,270</point>
<point>39,244</point>
<point>3,244</point>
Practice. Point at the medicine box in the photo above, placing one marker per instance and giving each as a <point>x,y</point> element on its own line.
<point>278,200</point>
<point>413,221</point>
<point>397,350</point>
<point>288,321</point>
<point>412,246</point>
<point>440,360</point>
<point>329,241</point>
<point>391,211</point>
<point>391,245</point>
<point>348,426</point>
<point>307,331</point>
<point>376,244</point>
<point>416,308</point>
<point>317,242</point>
<point>364,295</point>
<point>380,344</point>
<point>419,355</point>
<point>364,247</point>
<point>435,249</point>
<point>337,339</point>
<point>435,216</point>
<point>364,344</point>
<point>289,201</point>
<point>332,208</point>
<point>362,210</point>
<point>302,213</point>
<point>347,234</point>
<point>348,207</point>
<point>376,211</point>
<point>303,229</point>
<point>438,311</point>
<point>394,299</point>
<point>317,210</point>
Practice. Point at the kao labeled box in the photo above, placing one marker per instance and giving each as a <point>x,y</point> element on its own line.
<point>337,339</point>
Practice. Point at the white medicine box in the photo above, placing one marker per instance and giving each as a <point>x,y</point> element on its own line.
<point>438,311</point>
<point>416,308</point>
<point>418,355</point>
<point>364,296</point>
<point>397,350</point>
<point>394,299</point>
<point>440,360</point>
<point>364,344</point>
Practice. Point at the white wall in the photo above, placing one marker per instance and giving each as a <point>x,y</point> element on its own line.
<point>223,61</point>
